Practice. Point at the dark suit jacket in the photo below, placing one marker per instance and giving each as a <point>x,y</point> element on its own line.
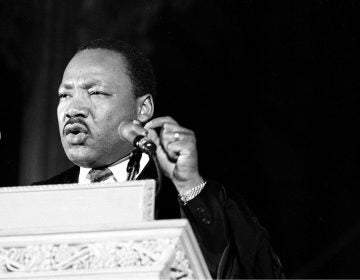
<point>232,241</point>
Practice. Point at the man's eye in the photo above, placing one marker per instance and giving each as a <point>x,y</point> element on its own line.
<point>63,95</point>
<point>95,93</point>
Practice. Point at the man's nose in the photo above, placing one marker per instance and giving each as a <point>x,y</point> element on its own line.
<point>78,107</point>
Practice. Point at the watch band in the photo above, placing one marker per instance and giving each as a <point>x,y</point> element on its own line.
<point>188,195</point>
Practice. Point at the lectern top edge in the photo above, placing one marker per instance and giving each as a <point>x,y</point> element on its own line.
<point>72,186</point>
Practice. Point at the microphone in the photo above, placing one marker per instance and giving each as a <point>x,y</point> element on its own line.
<point>133,132</point>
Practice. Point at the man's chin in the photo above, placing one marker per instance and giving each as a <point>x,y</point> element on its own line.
<point>81,156</point>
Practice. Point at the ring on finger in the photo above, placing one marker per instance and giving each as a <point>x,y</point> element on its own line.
<point>176,136</point>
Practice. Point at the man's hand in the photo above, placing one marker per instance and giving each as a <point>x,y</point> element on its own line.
<point>176,152</point>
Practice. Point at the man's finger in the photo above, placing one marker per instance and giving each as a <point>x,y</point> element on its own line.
<point>159,122</point>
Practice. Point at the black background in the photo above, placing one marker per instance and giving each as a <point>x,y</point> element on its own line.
<point>271,90</point>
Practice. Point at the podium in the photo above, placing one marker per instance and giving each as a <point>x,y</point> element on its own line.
<point>97,231</point>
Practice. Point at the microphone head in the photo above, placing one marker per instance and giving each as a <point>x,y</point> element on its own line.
<point>127,130</point>
<point>131,131</point>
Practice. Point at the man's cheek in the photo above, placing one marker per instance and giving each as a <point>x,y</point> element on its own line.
<point>60,112</point>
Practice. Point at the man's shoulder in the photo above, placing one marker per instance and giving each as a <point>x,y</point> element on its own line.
<point>66,177</point>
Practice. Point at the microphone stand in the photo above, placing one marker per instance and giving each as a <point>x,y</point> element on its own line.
<point>134,166</point>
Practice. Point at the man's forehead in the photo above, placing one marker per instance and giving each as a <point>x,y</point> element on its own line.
<point>98,56</point>
<point>96,60</point>
<point>89,66</point>
<point>84,81</point>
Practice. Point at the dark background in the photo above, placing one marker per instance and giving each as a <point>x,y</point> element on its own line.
<point>271,90</point>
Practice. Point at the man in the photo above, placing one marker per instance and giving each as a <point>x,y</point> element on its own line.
<point>108,83</point>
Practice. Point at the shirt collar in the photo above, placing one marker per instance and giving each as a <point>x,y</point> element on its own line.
<point>118,169</point>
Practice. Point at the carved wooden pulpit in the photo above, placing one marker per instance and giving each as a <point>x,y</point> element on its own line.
<point>97,231</point>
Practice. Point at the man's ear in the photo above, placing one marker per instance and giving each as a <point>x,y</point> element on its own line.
<point>145,107</point>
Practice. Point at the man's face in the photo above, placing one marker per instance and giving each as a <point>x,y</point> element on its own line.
<point>95,95</point>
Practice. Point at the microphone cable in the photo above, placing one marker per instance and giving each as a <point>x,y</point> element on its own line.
<point>159,177</point>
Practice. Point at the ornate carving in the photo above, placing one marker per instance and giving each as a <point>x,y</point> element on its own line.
<point>93,256</point>
<point>180,268</point>
<point>148,203</point>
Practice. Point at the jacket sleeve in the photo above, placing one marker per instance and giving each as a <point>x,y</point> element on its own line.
<point>232,241</point>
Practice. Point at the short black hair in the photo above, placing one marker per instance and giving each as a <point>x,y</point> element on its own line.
<point>139,67</point>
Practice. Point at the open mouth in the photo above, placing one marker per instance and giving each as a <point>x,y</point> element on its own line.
<point>75,129</point>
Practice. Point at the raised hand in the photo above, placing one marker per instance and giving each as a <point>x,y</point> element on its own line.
<point>176,152</point>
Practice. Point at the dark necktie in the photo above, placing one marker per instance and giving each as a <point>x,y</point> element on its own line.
<point>99,175</point>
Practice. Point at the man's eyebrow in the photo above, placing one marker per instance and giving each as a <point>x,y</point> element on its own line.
<point>66,86</point>
<point>91,82</point>
<point>84,84</point>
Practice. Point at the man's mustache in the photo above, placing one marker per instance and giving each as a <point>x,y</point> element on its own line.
<point>75,124</point>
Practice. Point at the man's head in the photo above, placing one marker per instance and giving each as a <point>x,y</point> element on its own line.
<point>106,82</point>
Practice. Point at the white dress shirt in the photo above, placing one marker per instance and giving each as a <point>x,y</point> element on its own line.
<point>118,169</point>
